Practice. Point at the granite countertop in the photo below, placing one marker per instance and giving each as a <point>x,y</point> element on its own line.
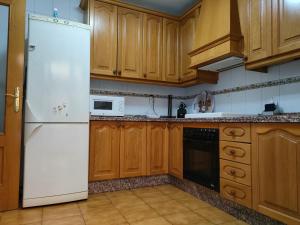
<point>283,118</point>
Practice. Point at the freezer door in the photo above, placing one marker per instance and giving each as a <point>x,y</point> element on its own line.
<point>58,73</point>
<point>56,159</point>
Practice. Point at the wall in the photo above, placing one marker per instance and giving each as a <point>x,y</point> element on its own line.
<point>252,101</point>
<point>4,11</point>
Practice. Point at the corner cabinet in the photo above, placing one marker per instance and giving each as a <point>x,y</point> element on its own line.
<point>176,150</point>
<point>133,149</point>
<point>187,39</point>
<point>104,151</point>
<point>276,171</point>
<point>157,148</point>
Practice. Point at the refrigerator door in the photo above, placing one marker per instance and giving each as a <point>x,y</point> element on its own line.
<point>56,162</point>
<point>58,72</point>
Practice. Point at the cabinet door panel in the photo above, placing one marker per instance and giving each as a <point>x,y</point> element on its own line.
<point>130,44</point>
<point>286,26</point>
<point>104,151</point>
<point>187,39</point>
<point>157,148</point>
<point>176,150</point>
<point>170,50</point>
<point>104,38</point>
<point>260,45</point>
<point>133,149</point>
<point>276,171</point>
<point>152,39</point>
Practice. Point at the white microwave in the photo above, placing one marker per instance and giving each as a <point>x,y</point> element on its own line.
<point>107,105</point>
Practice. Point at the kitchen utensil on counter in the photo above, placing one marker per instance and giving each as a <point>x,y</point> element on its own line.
<point>203,103</point>
<point>181,110</point>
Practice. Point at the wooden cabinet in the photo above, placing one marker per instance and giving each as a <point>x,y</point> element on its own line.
<point>170,50</point>
<point>286,26</point>
<point>276,171</point>
<point>235,151</point>
<point>104,38</point>
<point>130,43</point>
<point>187,39</point>
<point>235,132</point>
<point>260,45</point>
<point>157,148</point>
<point>133,149</point>
<point>104,150</point>
<point>153,40</point>
<point>176,150</point>
<point>274,32</point>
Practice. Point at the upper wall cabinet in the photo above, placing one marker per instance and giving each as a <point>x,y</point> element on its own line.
<point>130,43</point>
<point>274,32</point>
<point>153,38</point>
<point>104,38</point>
<point>187,39</point>
<point>170,50</point>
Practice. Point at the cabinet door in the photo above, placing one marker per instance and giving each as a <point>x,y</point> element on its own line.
<point>133,149</point>
<point>103,18</point>
<point>157,148</point>
<point>104,151</point>
<point>152,39</point>
<point>130,43</point>
<point>170,50</point>
<point>286,26</point>
<point>187,39</point>
<point>176,150</point>
<point>276,171</point>
<point>260,45</point>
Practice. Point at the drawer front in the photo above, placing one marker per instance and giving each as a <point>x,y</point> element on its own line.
<point>237,172</point>
<point>239,193</point>
<point>234,151</point>
<point>235,132</point>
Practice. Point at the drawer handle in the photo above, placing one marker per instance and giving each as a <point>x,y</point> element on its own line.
<point>232,172</point>
<point>232,193</point>
<point>232,133</point>
<point>232,152</point>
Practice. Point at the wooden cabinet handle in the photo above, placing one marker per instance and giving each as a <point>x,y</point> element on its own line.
<point>232,172</point>
<point>232,193</point>
<point>232,152</point>
<point>145,75</point>
<point>232,133</point>
<point>119,72</point>
<point>115,72</point>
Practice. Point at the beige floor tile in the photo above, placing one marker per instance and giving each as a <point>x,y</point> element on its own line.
<point>152,221</point>
<point>73,220</point>
<point>168,207</point>
<point>185,218</point>
<point>193,203</point>
<point>94,202</point>
<point>137,213</point>
<point>168,189</point>
<point>60,211</point>
<point>118,194</point>
<point>22,216</point>
<point>151,195</point>
<point>180,195</point>
<point>108,216</point>
<point>126,201</point>
<point>215,215</point>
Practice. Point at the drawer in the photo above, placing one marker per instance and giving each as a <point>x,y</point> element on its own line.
<point>239,132</point>
<point>237,172</point>
<point>234,151</point>
<point>238,193</point>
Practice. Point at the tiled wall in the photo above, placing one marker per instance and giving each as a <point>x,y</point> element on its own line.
<point>252,101</point>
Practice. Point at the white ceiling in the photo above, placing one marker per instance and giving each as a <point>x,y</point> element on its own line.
<point>173,7</point>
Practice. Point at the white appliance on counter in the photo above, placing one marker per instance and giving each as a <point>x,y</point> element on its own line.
<point>107,105</point>
<point>56,136</point>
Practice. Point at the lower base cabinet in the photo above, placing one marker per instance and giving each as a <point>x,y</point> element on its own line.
<point>176,150</point>
<point>276,171</point>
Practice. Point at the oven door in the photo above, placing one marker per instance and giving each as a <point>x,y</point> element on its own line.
<point>201,162</point>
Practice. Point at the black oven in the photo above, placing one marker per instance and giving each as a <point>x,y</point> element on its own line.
<point>201,156</point>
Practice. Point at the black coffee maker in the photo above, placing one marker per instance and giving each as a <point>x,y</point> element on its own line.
<point>181,110</point>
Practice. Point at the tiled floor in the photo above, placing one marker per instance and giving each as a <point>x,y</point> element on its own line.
<point>161,205</point>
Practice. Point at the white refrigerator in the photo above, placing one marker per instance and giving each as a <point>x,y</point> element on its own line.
<point>56,133</point>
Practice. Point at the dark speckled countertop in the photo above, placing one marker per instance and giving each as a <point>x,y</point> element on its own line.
<point>283,118</point>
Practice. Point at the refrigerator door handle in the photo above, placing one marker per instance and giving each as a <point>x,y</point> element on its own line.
<point>31,130</point>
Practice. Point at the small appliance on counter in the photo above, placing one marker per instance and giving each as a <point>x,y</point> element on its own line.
<point>107,105</point>
<point>271,109</point>
<point>181,110</point>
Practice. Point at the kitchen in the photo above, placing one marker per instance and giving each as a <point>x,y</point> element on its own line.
<point>156,112</point>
